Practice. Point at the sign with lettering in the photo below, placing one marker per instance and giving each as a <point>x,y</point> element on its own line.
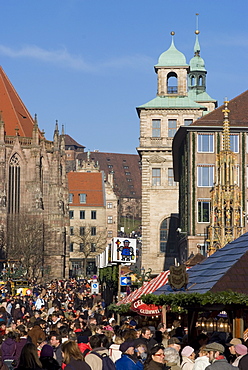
<point>145,309</point>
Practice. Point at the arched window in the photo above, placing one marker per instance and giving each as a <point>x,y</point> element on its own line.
<point>172,83</point>
<point>14,184</point>
<point>192,80</point>
<point>164,232</point>
<point>200,81</point>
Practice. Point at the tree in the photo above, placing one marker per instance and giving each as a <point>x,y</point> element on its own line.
<point>90,239</point>
<point>25,244</point>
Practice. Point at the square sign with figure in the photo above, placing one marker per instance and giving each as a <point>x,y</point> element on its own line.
<point>124,250</point>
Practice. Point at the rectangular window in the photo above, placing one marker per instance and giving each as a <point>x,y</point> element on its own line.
<point>110,219</point>
<point>70,198</point>
<point>110,205</point>
<point>82,198</point>
<point>205,143</point>
<point>188,122</point>
<point>93,215</point>
<point>234,143</point>
<point>156,128</point>
<point>71,247</point>
<point>71,230</point>
<point>156,176</point>
<point>171,177</point>
<point>81,247</point>
<point>81,231</point>
<point>172,127</point>
<point>203,211</point>
<point>205,176</point>
<point>93,247</point>
<point>93,231</point>
<point>82,215</point>
<point>110,233</point>
<point>71,215</point>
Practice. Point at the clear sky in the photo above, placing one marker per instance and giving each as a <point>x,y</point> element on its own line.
<point>89,63</point>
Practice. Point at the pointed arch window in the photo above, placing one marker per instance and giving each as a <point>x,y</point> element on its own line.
<point>14,185</point>
<point>164,232</point>
<point>172,83</point>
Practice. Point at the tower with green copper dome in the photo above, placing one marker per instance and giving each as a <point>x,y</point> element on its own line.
<point>181,98</point>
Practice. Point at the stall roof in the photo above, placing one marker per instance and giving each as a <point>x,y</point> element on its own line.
<point>224,270</point>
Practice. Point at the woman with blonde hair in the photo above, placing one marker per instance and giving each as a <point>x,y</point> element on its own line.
<point>203,360</point>
<point>73,357</point>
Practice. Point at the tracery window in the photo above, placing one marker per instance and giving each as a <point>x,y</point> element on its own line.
<point>14,184</point>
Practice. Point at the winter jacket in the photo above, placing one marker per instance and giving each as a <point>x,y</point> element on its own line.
<point>187,363</point>
<point>49,363</point>
<point>221,364</point>
<point>36,333</point>
<point>94,361</point>
<point>114,352</point>
<point>201,363</point>
<point>126,362</point>
<point>77,365</point>
<point>8,349</point>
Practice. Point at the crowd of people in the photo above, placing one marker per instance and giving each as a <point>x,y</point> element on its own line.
<point>63,326</point>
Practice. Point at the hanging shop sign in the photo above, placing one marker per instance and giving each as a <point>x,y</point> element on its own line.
<point>146,309</point>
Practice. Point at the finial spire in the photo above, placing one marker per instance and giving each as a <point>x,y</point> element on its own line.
<point>197,48</point>
<point>226,131</point>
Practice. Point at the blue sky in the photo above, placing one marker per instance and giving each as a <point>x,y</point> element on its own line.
<point>89,64</point>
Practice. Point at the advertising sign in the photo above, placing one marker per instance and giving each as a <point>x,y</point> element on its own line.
<point>124,250</point>
<point>146,309</point>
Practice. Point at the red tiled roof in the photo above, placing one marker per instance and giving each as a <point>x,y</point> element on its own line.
<point>238,115</point>
<point>89,183</point>
<point>126,169</point>
<point>14,113</point>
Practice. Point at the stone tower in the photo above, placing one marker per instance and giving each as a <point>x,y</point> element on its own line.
<point>227,219</point>
<point>33,192</point>
<point>177,103</point>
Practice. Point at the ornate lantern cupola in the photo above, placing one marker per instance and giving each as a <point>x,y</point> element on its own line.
<point>172,72</point>
<point>197,74</point>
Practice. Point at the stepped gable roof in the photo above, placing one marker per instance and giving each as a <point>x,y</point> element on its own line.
<point>238,115</point>
<point>126,169</point>
<point>224,270</point>
<point>70,142</point>
<point>15,115</point>
<point>89,183</point>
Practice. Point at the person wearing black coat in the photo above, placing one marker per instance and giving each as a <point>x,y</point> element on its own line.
<point>47,360</point>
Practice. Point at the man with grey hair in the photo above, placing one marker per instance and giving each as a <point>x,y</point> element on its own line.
<point>217,358</point>
<point>171,357</point>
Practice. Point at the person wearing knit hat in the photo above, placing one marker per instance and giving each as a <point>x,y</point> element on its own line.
<point>46,358</point>
<point>241,350</point>
<point>128,361</point>
<point>188,357</point>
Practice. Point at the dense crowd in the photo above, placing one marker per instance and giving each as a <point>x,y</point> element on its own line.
<point>63,326</point>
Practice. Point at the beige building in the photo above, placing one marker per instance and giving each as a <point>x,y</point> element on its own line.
<point>211,165</point>
<point>181,99</point>
<point>93,216</point>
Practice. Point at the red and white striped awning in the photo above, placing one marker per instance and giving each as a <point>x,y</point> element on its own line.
<point>147,288</point>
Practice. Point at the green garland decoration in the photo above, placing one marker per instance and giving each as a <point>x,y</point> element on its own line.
<point>196,300</point>
<point>121,309</point>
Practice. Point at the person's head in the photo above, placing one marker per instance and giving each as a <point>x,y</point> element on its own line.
<point>29,357</point>
<point>146,332</point>
<point>171,355</point>
<point>240,349</point>
<point>55,339</point>
<point>70,350</point>
<point>95,341</point>
<point>156,354</point>
<point>215,350</point>
<point>232,345</point>
<point>203,352</point>
<point>161,327</point>
<point>174,343</point>
<point>127,348</point>
<point>46,351</point>
<point>188,352</point>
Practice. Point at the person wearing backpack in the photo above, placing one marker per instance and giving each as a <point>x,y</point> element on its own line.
<point>98,358</point>
<point>128,360</point>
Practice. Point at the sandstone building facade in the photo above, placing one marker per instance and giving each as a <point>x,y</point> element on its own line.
<point>33,186</point>
<point>181,99</point>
